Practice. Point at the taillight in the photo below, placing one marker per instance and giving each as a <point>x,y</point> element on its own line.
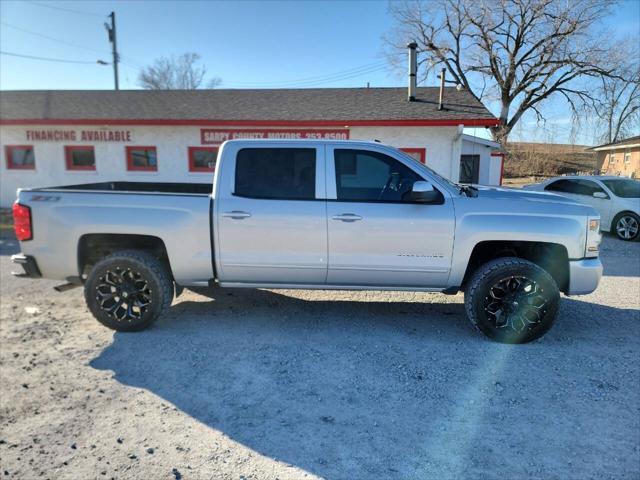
<point>22,222</point>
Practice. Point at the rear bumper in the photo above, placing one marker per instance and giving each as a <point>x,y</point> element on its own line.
<point>584,276</point>
<point>28,264</point>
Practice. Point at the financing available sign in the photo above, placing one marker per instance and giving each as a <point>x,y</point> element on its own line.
<point>215,136</point>
<point>56,135</point>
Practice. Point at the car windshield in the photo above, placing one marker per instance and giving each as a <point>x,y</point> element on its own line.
<point>624,187</point>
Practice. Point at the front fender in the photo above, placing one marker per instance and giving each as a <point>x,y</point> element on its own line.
<point>473,228</point>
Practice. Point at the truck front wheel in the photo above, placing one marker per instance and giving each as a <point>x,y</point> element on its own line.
<point>512,300</point>
<point>128,290</point>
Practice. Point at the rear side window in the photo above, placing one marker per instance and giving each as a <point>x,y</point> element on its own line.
<point>276,173</point>
<point>365,176</point>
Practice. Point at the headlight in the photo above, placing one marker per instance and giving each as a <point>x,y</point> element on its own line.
<point>593,237</point>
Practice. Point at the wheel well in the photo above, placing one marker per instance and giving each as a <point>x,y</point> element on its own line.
<point>94,247</point>
<point>552,257</point>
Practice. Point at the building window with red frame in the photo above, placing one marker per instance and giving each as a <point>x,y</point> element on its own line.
<point>142,159</point>
<point>419,154</point>
<point>80,157</point>
<point>20,157</point>
<point>202,159</point>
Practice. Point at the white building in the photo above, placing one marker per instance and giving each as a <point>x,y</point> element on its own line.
<point>52,138</point>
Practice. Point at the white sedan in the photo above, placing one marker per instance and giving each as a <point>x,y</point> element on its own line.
<point>616,198</point>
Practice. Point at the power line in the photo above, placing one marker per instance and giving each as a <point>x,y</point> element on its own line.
<point>64,42</point>
<point>31,57</point>
<point>80,12</point>
<point>317,77</point>
<point>327,78</point>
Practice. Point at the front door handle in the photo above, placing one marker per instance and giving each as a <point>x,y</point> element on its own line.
<point>236,215</point>
<point>347,217</point>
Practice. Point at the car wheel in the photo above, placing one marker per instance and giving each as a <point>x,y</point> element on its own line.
<point>626,226</point>
<point>512,300</point>
<point>127,291</point>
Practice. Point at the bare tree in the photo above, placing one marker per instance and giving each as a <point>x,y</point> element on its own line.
<point>617,104</point>
<point>518,52</point>
<point>176,73</point>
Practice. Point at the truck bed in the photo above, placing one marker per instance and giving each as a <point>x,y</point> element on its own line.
<point>177,214</point>
<point>135,187</point>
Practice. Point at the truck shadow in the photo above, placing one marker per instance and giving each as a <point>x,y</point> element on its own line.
<point>356,389</point>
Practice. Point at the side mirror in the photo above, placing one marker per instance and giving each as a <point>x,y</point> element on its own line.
<point>600,195</point>
<point>424,192</point>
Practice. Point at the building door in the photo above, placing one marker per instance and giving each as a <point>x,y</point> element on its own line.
<point>469,168</point>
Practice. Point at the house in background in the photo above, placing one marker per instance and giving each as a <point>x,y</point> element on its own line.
<point>620,158</point>
<point>51,138</point>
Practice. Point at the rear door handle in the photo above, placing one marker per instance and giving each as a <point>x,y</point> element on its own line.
<point>347,217</point>
<point>236,215</point>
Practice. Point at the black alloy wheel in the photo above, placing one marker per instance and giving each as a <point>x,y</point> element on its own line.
<point>512,300</point>
<point>127,291</point>
<point>515,302</point>
<point>123,294</point>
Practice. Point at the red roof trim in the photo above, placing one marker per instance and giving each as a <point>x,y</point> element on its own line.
<point>474,122</point>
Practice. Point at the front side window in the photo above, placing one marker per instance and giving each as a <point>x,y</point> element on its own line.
<point>588,188</point>
<point>80,157</point>
<point>564,186</point>
<point>576,187</point>
<point>202,159</point>
<point>365,176</point>
<point>20,157</point>
<point>142,159</point>
<point>276,173</point>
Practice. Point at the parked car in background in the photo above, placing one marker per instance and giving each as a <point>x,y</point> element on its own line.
<point>616,198</point>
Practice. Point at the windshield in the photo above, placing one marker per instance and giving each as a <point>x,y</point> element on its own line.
<point>624,187</point>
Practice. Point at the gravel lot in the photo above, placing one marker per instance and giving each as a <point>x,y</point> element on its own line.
<point>262,384</point>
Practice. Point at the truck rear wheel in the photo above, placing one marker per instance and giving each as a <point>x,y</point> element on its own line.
<point>128,290</point>
<point>512,300</point>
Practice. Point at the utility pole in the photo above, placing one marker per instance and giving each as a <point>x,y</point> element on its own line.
<point>111,30</point>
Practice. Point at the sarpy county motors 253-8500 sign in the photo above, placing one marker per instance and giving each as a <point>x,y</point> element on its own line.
<point>215,136</point>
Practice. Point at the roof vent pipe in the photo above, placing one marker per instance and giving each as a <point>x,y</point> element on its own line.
<point>413,67</point>
<point>442,81</point>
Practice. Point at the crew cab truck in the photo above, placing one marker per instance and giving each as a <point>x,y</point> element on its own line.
<point>313,215</point>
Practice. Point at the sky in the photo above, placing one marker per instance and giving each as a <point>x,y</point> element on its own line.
<point>248,44</point>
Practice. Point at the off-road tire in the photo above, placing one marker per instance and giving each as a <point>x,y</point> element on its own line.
<point>147,269</point>
<point>491,274</point>
<point>614,226</point>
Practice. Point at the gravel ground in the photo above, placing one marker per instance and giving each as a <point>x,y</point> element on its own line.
<point>264,384</point>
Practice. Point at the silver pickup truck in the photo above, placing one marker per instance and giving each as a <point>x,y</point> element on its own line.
<point>313,215</point>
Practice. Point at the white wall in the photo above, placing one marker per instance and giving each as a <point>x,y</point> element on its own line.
<point>490,167</point>
<point>442,145</point>
<point>171,144</point>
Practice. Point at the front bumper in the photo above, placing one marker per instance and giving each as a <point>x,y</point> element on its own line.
<point>584,276</point>
<point>29,266</point>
